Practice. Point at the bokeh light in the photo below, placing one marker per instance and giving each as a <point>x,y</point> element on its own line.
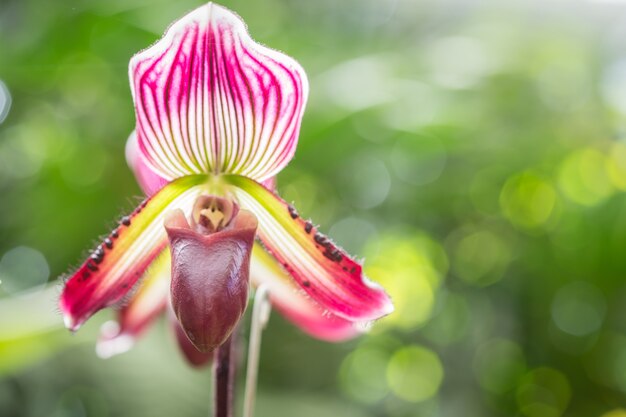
<point>450,321</point>
<point>418,160</point>
<point>606,363</point>
<point>578,309</point>
<point>583,177</point>
<point>445,54</point>
<point>617,165</point>
<point>360,83</point>
<point>614,85</point>
<point>499,365</point>
<point>414,373</point>
<point>367,181</point>
<point>363,374</point>
<point>543,392</point>
<point>411,269</point>
<point>352,233</point>
<point>615,413</point>
<point>481,257</point>
<point>528,200</point>
<point>23,268</point>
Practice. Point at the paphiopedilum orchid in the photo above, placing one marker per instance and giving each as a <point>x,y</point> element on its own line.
<point>217,117</point>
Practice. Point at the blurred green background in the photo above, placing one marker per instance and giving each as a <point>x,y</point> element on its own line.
<point>474,153</point>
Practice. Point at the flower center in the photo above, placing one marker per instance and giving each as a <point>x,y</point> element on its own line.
<point>211,214</point>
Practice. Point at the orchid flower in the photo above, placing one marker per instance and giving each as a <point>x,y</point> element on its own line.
<point>217,117</point>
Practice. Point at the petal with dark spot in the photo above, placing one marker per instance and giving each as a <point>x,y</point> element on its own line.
<point>323,270</point>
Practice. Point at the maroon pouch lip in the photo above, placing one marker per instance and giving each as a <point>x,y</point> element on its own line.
<point>210,277</point>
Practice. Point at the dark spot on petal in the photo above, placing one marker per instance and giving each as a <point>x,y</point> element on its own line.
<point>125,221</point>
<point>308,227</point>
<point>108,243</point>
<point>97,258</point>
<point>306,283</point>
<point>333,254</point>
<point>91,266</point>
<point>115,234</point>
<point>320,238</point>
<point>141,206</point>
<point>292,212</point>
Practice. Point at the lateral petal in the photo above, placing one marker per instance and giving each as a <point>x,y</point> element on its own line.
<point>135,317</point>
<point>294,304</point>
<point>116,265</point>
<point>208,99</point>
<point>323,270</point>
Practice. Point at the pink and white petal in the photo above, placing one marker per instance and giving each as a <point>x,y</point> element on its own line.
<point>208,99</point>
<point>149,181</point>
<point>323,270</point>
<point>295,304</point>
<point>135,317</point>
<point>116,265</point>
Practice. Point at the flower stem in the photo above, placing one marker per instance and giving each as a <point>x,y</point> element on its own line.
<point>260,316</point>
<point>223,379</point>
